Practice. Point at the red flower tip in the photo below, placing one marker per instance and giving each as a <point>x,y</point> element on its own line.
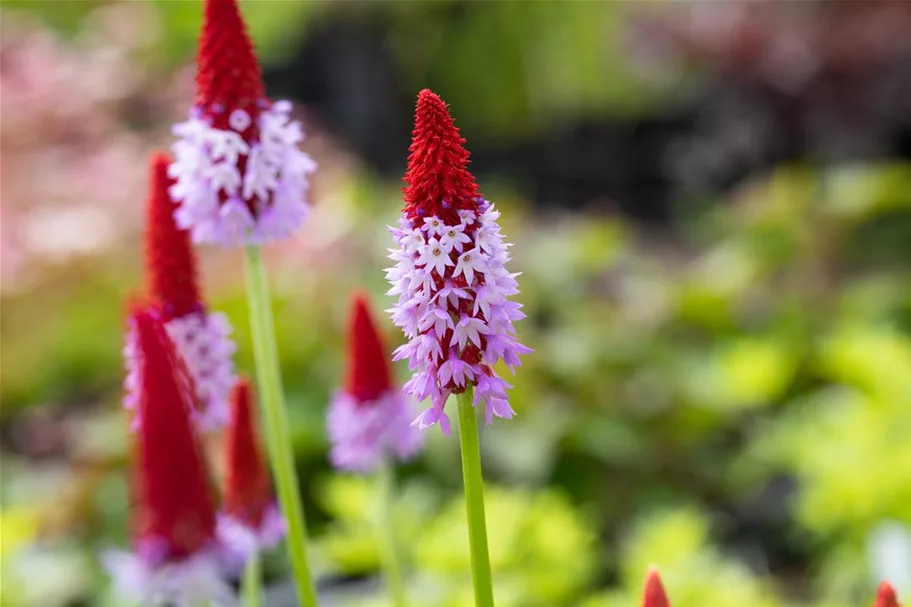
<point>174,510</point>
<point>885,596</point>
<point>248,489</point>
<point>438,181</point>
<point>368,361</point>
<point>654,595</point>
<point>170,262</point>
<point>228,74</point>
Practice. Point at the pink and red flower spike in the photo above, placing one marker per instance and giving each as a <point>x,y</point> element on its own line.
<point>886,597</point>
<point>250,520</point>
<point>654,595</point>
<point>450,276</point>
<point>201,337</point>
<point>176,558</point>
<point>369,419</point>
<point>240,177</point>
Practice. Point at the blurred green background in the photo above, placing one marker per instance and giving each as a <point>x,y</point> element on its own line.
<point>721,382</point>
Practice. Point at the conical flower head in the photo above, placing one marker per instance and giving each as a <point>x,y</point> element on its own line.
<point>368,361</point>
<point>170,262</point>
<point>654,595</point>
<point>176,558</point>
<point>174,514</point>
<point>438,181</point>
<point>369,420</point>
<point>240,177</point>
<point>450,276</point>
<point>250,520</point>
<point>202,338</point>
<point>886,597</point>
<point>248,488</point>
<point>228,73</point>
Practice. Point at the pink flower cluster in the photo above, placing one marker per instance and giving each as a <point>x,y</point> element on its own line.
<point>454,307</point>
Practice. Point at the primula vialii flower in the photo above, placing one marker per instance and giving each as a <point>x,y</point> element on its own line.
<point>250,520</point>
<point>886,597</point>
<point>450,276</point>
<point>201,337</point>
<point>654,595</point>
<point>175,558</point>
<point>241,178</point>
<point>369,419</point>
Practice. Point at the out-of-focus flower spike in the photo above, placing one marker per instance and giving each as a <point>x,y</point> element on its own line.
<point>369,419</point>
<point>202,338</point>
<point>250,520</point>
<point>450,276</point>
<point>653,594</point>
<point>170,263</point>
<point>176,557</point>
<point>886,596</point>
<point>240,177</point>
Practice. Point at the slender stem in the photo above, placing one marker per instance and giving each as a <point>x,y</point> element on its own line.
<point>474,501</point>
<point>253,582</point>
<point>278,440</point>
<point>392,566</point>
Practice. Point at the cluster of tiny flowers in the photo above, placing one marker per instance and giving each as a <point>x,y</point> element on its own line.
<point>241,541</point>
<point>203,342</point>
<point>453,305</point>
<point>222,204</point>
<point>197,580</point>
<point>362,433</point>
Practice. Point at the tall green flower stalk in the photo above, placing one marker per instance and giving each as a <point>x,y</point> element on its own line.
<point>474,501</point>
<point>278,439</point>
<point>252,582</point>
<point>389,551</point>
<point>454,303</point>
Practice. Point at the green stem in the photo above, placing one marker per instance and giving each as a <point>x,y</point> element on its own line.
<point>253,582</point>
<point>395,580</point>
<point>278,440</point>
<point>474,501</point>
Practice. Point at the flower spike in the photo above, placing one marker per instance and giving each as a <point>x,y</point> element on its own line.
<point>176,556</point>
<point>654,595</point>
<point>240,177</point>
<point>450,276</point>
<point>369,419</point>
<point>250,520</point>
<point>202,338</point>
<point>886,597</point>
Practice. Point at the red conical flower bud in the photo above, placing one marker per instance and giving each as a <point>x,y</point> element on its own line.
<point>170,262</point>
<point>654,595</point>
<point>248,488</point>
<point>885,596</point>
<point>228,75</point>
<point>368,361</point>
<point>439,183</point>
<point>174,510</point>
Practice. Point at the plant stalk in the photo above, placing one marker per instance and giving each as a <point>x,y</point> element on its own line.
<point>275,417</point>
<point>392,566</point>
<point>474,501</point>
<point>252,584</point>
